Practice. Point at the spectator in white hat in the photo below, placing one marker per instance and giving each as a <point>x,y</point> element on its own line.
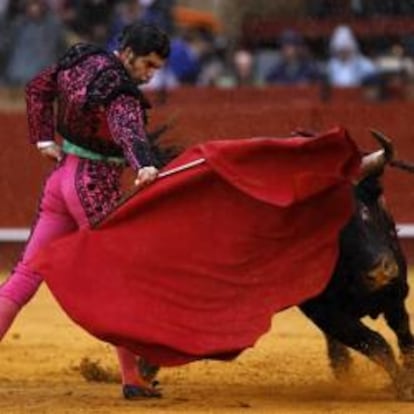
<point>347,67</point>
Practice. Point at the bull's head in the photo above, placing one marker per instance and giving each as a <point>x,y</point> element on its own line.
<point>369,247</point>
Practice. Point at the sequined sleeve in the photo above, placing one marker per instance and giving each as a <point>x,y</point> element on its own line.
<point>40,95</point>
<point>125,120</point>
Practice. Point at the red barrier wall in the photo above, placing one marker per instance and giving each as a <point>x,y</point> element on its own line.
<point>210,114</point>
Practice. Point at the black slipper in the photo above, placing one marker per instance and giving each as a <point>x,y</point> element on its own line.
<point>135,392</point>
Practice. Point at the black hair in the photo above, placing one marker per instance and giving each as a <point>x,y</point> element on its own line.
<point>145,38</point>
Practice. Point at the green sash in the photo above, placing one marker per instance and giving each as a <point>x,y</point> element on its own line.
<point>70,148</point>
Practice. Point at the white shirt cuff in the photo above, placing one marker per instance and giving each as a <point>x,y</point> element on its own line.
<point>44,144</point>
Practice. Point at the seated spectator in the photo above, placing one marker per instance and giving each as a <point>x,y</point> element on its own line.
<point>264,62</point>
<point>347,67</point>
<point>160,13</point>
<point>187,55</point>
<point>37,39</point>
<point>213,61</point>
<point>396,60</point>
<point>327,8</point>
<point>243,67</point>
<point>4,7</point>
<point>125,13</point>
<point>294,66</point>
<point>238,71</point>
<point>9,9</point>
<point>396,69</point>
<point>4,36</point>
<point>93,17</point>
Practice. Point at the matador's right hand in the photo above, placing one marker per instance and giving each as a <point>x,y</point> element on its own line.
<point>52,151</point>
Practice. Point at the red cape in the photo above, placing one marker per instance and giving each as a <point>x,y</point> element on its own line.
<point>195,265</point>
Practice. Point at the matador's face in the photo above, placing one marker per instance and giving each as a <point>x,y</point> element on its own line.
<point>141,68</point>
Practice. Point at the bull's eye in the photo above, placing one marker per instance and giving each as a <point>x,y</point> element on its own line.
<point>365,213</point>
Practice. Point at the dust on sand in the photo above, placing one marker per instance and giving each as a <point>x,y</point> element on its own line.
<point>41,371</point>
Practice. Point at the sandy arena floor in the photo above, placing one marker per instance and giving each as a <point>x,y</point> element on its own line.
<point>286,372</point>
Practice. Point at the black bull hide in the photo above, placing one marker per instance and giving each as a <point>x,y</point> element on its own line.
<point>370,279</point>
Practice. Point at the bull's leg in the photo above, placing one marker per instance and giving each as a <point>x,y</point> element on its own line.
<point>339,357</point>
<point>352,333</point>
<point>398,320</point>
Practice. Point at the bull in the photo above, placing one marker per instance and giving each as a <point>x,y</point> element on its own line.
<point>370,279</point>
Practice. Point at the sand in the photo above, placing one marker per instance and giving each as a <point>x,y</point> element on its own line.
<point>286,372</point>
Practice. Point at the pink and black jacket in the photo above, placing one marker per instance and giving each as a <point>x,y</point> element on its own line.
<point>99,107</point>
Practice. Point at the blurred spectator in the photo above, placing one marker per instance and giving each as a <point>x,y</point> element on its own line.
<point>56,5</point>
<point>215,73</point>
<point>327,8</point>
<point>360,8</point>
<point>67,12</point>
<point>187,55</point>
<point>184,61</point>
<point>238,71</point>
<point>395,60</point>
<point>3,37</point>
<point>159,12</point>
<point>10,8</point>
<point>243,67</point>
<point>347,67</point>
<point>294,66</point>
<point>369,8</point>
<point>264,59</point>
<point>396,69</point>
<point>93,20</point>
<point>36,40</point>
<point>4,7</point>
<point>213,61</point>
<point>125,13</point>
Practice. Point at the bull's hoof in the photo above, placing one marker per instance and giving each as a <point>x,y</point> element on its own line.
<point>406,393</point>
<point>405,386</point>
<point>342,369</point>
<point>408,362</point>
<point>342,374</point>
<point>135,392</point>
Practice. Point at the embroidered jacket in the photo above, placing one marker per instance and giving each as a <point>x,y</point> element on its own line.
<point>99,107</point>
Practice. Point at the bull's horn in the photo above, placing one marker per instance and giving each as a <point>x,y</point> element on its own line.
<point>388,156</point>
<point>385,143</point>
<point>373,163</point>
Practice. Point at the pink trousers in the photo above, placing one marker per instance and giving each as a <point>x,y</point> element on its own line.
<point>76,193</point>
